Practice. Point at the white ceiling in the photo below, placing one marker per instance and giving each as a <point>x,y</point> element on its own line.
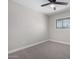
<point>36,5</point>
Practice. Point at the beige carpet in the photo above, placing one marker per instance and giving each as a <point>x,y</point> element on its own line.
<point>47,50</point>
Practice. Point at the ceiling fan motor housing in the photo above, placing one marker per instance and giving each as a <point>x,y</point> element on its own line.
<point>52,0</point>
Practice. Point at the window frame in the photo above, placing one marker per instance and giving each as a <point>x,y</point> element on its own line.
<point>61,19</point>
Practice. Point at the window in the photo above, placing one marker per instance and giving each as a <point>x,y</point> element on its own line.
<point>63,23</point>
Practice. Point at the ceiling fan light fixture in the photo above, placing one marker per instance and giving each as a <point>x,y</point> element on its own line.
<point>52,6</point>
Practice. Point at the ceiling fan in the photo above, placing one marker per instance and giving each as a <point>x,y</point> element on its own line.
<point>54,2</point>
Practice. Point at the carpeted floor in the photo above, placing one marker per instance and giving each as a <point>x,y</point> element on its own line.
<point>47,50</point>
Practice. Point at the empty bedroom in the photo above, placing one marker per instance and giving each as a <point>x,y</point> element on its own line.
<point>38,29</point>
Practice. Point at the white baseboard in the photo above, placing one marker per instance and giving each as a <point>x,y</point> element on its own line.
<point>60,42</point>
<point>18,49</point>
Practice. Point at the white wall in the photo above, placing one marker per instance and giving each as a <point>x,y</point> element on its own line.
<point>61,35</point>
<point>25,26</point>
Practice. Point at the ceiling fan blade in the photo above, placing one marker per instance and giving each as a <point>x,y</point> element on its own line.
<point>61,3</point>
<point>46,4</point>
